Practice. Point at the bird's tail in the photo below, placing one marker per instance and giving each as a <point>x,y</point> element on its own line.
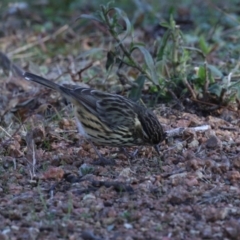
<point>43,81</point>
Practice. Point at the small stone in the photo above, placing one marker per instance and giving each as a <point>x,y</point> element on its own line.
<point>128,225</point>
<point>236,161</point>
<point>193,144</point>
<point>125,173</point>
<point>213,142</point>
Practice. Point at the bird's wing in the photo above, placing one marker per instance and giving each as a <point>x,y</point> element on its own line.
<point>116,113</point>
<point>43,81</point>
<point>113,110</point>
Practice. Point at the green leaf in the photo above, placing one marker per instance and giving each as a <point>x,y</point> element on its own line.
<point>235,85</point>
<point>201,75</point>
<point>215,89</point>
<point>215,71</point>
<point>163,45</point>
<point>110,60</point>
<point>90,17</point>
<point>165,24</point>
<point>171,20</point>
<point>203,45</point>
<point>136,92</point>
<point>149,62</point>
<point>123,15</point>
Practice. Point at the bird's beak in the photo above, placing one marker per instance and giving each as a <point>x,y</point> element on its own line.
<point>156,147</point>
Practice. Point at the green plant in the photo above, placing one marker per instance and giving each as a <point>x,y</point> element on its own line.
<point>169,67</point>
<point>121,54</point>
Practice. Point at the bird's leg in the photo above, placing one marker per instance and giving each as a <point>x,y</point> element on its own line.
<point>95,149</point>
<point>130,155</point>
<point>127,154</point>
<point>101,160</point>
<point>156,147</point>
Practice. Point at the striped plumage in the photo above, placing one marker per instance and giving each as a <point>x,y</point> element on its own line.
<point>109,119</point>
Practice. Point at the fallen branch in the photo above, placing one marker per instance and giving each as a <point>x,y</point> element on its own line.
<point>179,131</point>
<point>37,42</point>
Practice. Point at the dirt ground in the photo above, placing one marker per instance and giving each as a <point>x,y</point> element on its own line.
<point>51,186</point>
<point>51,189</point>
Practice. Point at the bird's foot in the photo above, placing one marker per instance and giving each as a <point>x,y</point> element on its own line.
<point>130,155</point>
<point>102,161</point>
